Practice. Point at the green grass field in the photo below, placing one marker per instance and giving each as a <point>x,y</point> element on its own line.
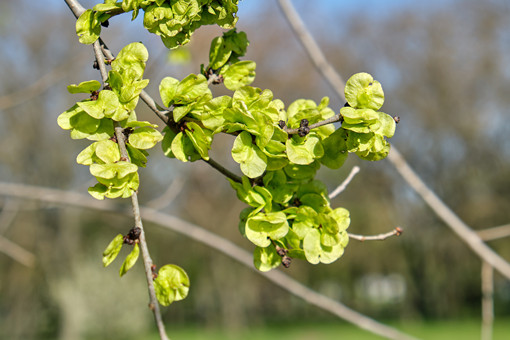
<point>439,330</point>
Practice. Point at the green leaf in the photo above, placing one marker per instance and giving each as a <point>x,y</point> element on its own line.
<point>264,227</point>
<point>136,123</point>
<point>107,151</point>
<point>363,92</point>
<point>106,7</point>
<point>86,156</point>
<point>84,87</point>
<point>106,105</point>
<point>218,53</point>
<point>109,171</point>
<point>341,216</point>
<point>212,118</point>
<point>104,130</point>
<point>168,89</point>
<point>79,122</point>
<point>301,172</point>
<point>137,157</point>
<point>115,187</point>
<point>302,109</point>
<point>172,284</point>
<point>145,138</point>
<point>112,250</point>
<point>130,260</point>
<point>312,246</point>
<point>227,49</point>
<point>355,116</point>
<point>88,27</point>
<point>180,111</point>
<point>238,75</point>
<point>388,125</point>
<point>236,41</point>
<point>360,141</point>
<point>316,252</point>
<point>266,258</point>
<point>305,220</point>
<point>98,191</point>
<point>335,149</point>
<point>191,89</point>
<point>252,160</point>
<point>280,187</point>
<point>257,197</point>
<point>200,138</point>
<point>304,151</point>
<point>183,149</point>
<point>84,126</point>
<point>130,62</point>
<point>166,144</point>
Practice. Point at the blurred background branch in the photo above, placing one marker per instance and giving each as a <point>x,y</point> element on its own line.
<point>16,252</point>
<point>442,210</point>
<point>494,233</point>
<point>444,69</point>
<point>211,240</point>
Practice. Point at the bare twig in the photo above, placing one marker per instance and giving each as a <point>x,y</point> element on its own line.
<point>334,80</point>
<point>162,114</point>
<point>487,300</point>
<point>345,183</point>
<point>100,61</point>
<point>147,261</point>
<point>331,120</point>
<point>397,231</point>
<point>16,252</point>
<point>75,7</point>
<point>210,239</point>
<point>494,233</point>
<point>223,170</point>
<point>453,221</point>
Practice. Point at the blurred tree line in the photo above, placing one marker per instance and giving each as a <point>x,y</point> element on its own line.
<point>444,70</point>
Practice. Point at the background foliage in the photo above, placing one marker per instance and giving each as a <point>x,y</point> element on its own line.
<point>444,71</point>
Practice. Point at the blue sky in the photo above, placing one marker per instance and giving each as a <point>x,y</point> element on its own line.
<point>348,7</point>
<point>342,7</point>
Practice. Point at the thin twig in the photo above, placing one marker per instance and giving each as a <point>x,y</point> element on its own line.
<point>487,300</point>
<point>313,50</point>
<point>397,231</point>
<point>494,233</point>
<point>345,183</point>
<point>75,7</point>
<point>16,252</point>
<point>223,170</point>
<point>163,115</point>
<point>100,61</point>
<point>147,261</point>
<point>331,120</point>
<point>210,239</point>
<point>442,210</point>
